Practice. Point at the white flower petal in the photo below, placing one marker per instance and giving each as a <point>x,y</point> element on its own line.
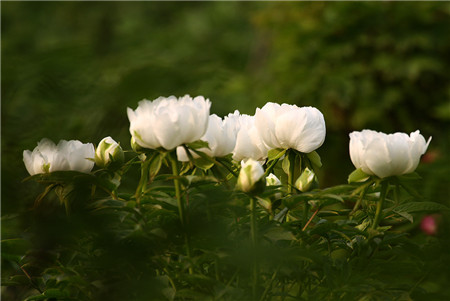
<point>29,163</point>
<point>265,121</point>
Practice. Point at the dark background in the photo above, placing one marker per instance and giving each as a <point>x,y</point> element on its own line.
<point>70,70</point>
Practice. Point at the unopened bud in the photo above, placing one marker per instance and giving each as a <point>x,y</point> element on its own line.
<point>108,152</point>
<point>306,180</point>
<point>272,180</point>
<point>251,177</point>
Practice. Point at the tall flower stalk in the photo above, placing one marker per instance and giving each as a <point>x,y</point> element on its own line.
<point>181,205</point>
<point>252,181</point>
<point>254,240</point>
<point>378,212</point>
<point>291,173</point>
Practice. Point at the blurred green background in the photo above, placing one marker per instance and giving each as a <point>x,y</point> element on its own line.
<point>70,70</point>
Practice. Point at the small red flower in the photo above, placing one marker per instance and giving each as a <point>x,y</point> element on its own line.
<point>429,224</point>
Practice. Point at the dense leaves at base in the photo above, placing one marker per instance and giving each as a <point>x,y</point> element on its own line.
<point>115,245</point>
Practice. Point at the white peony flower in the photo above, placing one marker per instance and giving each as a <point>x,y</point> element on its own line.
<point>67,155</point>
<point>387,155</point>
<point>249,144</point>
<point>288,126</point>
<point>108,151</point>
<point>169,122</point>
<point>251,176</point>
<point>221,138</point>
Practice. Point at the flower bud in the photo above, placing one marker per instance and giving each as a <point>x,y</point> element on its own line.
<point>306,180</point>
<point>251,177</point>
<point>108,152</point>
<point>272,180</point>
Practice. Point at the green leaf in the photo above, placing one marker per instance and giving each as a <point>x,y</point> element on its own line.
<point>321,201</point>
<point>414,176</point>
<point>155,164</point>
<point>203,163</point>
<point>411,189</point>
<point>411,207</point>
<point>36,297</point>
<point>44,194</point>
<point>14,249</point>
<point>275,153</point>
<point>279,233</point>
<point>198,144</point>
<point>323,229</point>
<point>55,293</point>
<point>357,176</point>
<point>314,158</point>
<point>405,215</point>
<point>16,280</point>
<point>266,204</point>
<point>296,200</point>
<point>159,233</point>
<point>341,189</point>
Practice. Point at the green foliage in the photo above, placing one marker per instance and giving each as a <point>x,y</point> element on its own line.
<point>188,238</point>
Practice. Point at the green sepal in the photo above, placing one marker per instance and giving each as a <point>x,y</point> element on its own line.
<point>155,164</point>
<point>314,158</point>
<point>203,163</point>
<point>275,153</point>
<point>198,144</point>
<point>286,165</point>
<point>358,176</point>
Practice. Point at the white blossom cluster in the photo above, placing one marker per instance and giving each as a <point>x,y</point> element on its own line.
<point>171,123</point>
<point>168,123</point>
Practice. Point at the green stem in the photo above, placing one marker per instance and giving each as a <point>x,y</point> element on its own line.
<point>269,287</point>
<point>291,179</point>
<point>271,167</point>
<point>359,201</point>
<point>253,233</point>
<point>181,205</point>
<point>216,269</point>
<point>383,192</point>
<point>397,194</point>
<point>145,165</point>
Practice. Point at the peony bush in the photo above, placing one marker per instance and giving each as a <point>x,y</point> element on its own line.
<point>227,209</point>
